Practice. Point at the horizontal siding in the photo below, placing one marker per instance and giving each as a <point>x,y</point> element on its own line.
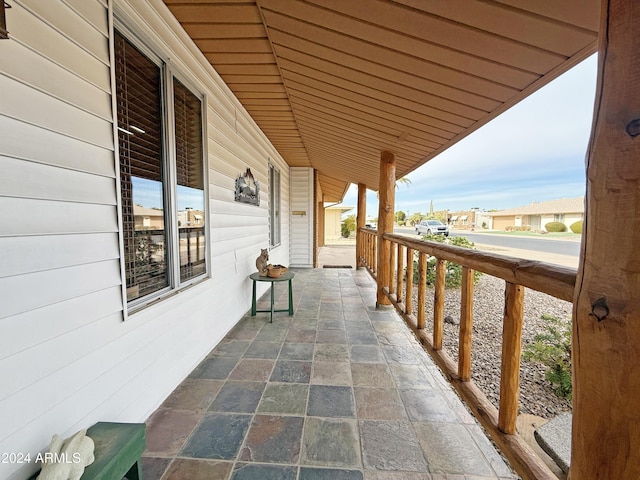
<point>35,180</point>
<point>76,28</point>
<point>61,352</point>
<point>43,217</point>
<point>28,29</point>
<point>22,102</point>
<point>36,290</point>
<point>42,324</point>
<point>25,65</point>
<point>61,251</point>
<point>238,232</point>
<point>227,218</point>
<point>93,12</point>
<point>31,142</point>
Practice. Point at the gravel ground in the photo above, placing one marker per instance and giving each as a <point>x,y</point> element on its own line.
<point>536,394</point>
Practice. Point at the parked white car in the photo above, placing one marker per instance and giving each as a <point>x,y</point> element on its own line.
<point>432,227</point>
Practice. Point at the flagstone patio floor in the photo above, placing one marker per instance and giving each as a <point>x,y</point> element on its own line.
<point>338,391</point>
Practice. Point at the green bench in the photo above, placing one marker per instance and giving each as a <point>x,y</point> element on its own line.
<point>118,448</point>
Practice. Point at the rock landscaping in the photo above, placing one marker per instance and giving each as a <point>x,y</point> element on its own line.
<point>537,396</point>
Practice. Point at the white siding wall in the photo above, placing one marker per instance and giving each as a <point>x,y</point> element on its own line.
<point>301,245</point>
<point>571,218</point>
<point>333,224</point>
<point>67,358</point>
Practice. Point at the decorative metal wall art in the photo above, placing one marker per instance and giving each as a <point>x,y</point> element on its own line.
<point>247,189</point>
<point>4,34</point>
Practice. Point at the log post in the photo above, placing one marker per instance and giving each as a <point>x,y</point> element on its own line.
<point>422,288</point>
<point>374,253</point>
<point>399,274</point>
<point>438,304</point>
<point>466,325</point>
<point>511,349</point>
<point>386,203</point>
<point>392,268</point>
<point>408,304</point>
<point>606,319</point>
<point>361,218</point>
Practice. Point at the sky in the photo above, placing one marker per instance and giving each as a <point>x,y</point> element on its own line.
<point>535,151</point>
<point>149,194</point>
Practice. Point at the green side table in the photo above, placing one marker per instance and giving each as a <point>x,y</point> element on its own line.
<point>285,277</point>
<point>118,450</point>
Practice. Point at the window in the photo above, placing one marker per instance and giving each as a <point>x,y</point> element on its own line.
<point>161,175</point>
<point>558,217</point>
<point>190,179</point>
<point>274,206</point>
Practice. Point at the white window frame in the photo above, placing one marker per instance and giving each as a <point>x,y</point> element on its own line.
<point>168,73</point>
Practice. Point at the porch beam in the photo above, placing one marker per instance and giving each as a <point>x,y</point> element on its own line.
<point>386,203</point>
<point>606,317</point>
<point>361,219</point>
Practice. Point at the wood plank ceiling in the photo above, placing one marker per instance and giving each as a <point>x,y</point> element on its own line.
<point>332,83</point>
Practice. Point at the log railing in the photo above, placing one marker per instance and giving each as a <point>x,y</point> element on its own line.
<point>369,252</point>
<point>518,274</point>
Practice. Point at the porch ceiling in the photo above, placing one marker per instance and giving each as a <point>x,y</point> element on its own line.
<point>334,82</point>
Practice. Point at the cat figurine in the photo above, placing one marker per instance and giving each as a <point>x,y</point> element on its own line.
<point>73,455</point>
<point>262,262</point>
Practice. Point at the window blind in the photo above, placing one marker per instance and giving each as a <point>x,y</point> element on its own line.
<point>190,179</point>
<point>138,100</point>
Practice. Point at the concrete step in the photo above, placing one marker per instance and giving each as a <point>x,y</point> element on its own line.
<point>555,438</point>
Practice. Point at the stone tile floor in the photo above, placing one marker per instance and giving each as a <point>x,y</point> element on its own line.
<point>338,391</point>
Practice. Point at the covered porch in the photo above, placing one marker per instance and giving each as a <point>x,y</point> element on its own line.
<point>340,390</point>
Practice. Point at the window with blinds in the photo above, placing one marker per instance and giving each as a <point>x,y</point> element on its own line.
<point>190,178</point>
<point>161,252</point>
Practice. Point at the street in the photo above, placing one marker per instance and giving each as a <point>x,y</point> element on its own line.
<point>558,247</point>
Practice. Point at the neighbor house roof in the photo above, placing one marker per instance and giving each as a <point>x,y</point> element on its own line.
<point>562,205</point>
<point>341,208</point>
<point>148,212</point>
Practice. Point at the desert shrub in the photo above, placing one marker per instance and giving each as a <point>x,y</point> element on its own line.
<point>348,226</point>
<point>576,227</point>
<point>552,347</point>
<point>453,275</point>
<point>555,227</point>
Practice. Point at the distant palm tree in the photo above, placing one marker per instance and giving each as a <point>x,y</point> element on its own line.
<point>405,180</point>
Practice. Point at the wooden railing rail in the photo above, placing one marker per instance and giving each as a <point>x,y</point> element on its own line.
<point>553,280</point>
